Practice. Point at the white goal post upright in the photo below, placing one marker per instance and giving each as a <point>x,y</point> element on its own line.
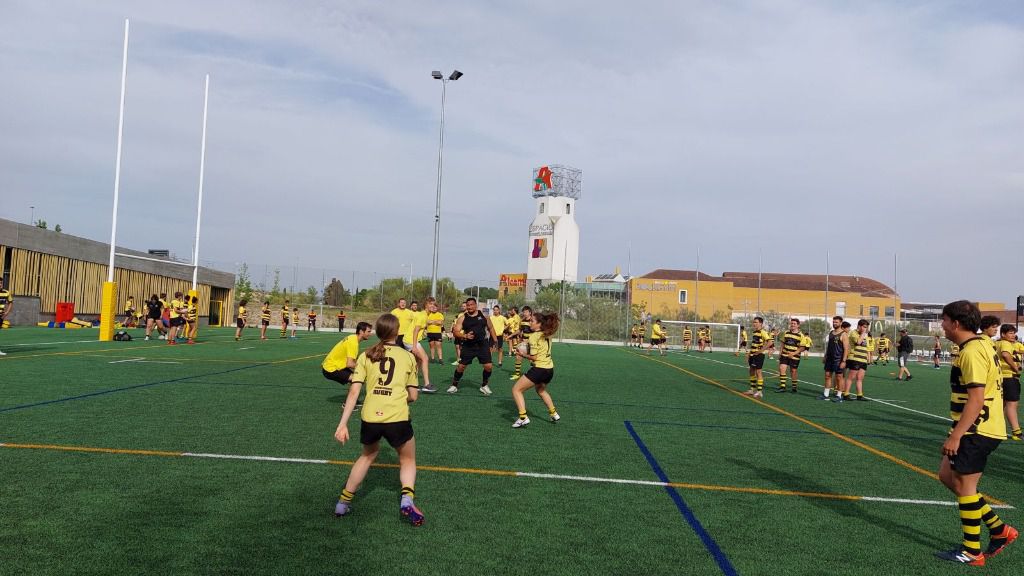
<point>721,333</point>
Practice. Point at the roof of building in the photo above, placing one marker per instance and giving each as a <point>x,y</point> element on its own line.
<point>774,280</point>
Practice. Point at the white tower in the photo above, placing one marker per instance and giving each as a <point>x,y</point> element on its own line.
<point>554,246</point>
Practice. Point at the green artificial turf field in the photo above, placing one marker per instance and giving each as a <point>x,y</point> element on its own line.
<point>139,457</point>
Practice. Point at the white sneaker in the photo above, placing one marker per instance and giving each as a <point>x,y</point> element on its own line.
<point>520,422</point>
<point>555,417</point>
<point>452,389</point>
<point>758,394</point>
<point>485,390</point>
<point>162,337</point>
<point>2,353</point>
<point>147,337</point>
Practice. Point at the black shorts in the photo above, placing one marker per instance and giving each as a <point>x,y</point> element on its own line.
<point>239,323</point>
<point>743,344</point>
<point>832,365</point>
<point>433,337</point>
<point>265,322</point>
<point>756,361</point>
<point>153,316</point>
<point>973,453</point>
<point>179,321</point>
<point>540,375</point>
<point>854,365</point>
<point>1011,389</point>
<point>340,376</point>
<point>937,354</point>
<point>284,321</point>
<point>499,342</point>
<point>657,341</point>
<point>481,353</point>
<point>396,433</point>
<point>793,363</point>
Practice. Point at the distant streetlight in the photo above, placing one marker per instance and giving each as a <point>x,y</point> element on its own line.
<point>33,219</point>
<point>455,75</point>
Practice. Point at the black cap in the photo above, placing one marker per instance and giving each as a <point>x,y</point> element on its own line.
<point>903,329</point>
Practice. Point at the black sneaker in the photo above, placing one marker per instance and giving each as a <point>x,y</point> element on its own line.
<point>909,377</point>
<point>861,399</point>
<point>793,390</point>
<point>780,389</point>
<point>961,557</point>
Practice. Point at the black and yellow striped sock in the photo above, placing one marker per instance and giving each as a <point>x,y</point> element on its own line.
<point>989,517</point>
<point>753,382</point>
<point>552,409</point>
<point>346,496</point>
<point>408,491</point>
<point>970,520</point>
<point>1016,433</point>
<point>522,415</point>
<point>760,384</point>
<point>783,381</point>
<point>519,366</point>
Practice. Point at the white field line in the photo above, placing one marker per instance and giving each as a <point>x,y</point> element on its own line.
<point>247,348</point>
<point>128,360</point>
<point>538,475</point>
<point>53,343</point>
<point>886,402</point>
<point>143,361</point>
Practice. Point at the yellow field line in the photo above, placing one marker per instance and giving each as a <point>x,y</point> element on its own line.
<point>825,429</point>
<point>296,359</point>
<point>91,449</point>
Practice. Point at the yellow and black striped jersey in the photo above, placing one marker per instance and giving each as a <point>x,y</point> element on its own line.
<point>858,348</point>
<point>758,341</point>
<point>265,313</point>
<point>1011,348</point>
<point>791,343</point>
<point>977,367</point>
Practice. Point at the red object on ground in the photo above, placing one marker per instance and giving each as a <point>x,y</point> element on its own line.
<point>65,311</point>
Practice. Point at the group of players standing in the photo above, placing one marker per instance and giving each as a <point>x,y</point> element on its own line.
<point>288,315</point>
<point>172,319</point>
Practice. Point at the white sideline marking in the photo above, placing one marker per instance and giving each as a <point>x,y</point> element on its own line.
<point>257,458</point>
<point>925,502</point>
<point>247,348</point>
<point>143,361</point>
<point>590,479</point>
<point>128,360</point>
<point>53,343</point>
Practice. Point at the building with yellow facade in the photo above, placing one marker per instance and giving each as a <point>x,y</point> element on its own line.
<point>679,294</point>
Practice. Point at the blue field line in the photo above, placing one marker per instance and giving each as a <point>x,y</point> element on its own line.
<point>133,387</point>
<point>783,430</point>
<point>716,552</point>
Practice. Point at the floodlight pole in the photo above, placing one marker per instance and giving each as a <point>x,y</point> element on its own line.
<point>117,164</point>
<point>202,171</point>
<point>455,75</point>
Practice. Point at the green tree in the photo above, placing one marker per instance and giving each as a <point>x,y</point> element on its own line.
<point>276,296</point>
<point>335,293</point>
<point>243,283</point>
<point>485,292</point>
<point>58,229</point>
<point>41,224</point>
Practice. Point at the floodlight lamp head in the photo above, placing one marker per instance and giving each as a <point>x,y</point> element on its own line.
<point>437,74</point>
<point>455,75</point>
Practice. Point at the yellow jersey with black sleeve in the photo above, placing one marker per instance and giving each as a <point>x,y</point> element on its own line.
<point>977,367</point>
<point>405,319</point>
<point>657,331</point>
<point>435,317</point>
<point>791,342</point>
<point>1011,348</point>
<point>806,342</point>
<point>176,305</point>
<point>687,334</point>
<point>241,312</point>
<point>286,314</point>
<point>419,319</point>
<point>5,299</point>
<point>387,397</point>
<point>337,358</point>
<point>759,339</point>
<point>193,311</point>
<point>858,348</point>
<point>499,322</point>
<point>540,349</point>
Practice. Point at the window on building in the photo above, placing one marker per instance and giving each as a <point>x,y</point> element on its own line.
<point>890,312</point>
<point>840,308</point>
<point>541,211</point>
<point>861,313</point>
<point>682,296</point>
<point>873,311</point>
<point>567,208</point>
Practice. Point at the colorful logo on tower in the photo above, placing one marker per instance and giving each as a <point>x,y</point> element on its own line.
<point>540,248</point>
<point>543,180</point>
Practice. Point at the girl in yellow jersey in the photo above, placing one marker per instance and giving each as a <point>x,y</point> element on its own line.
<point>538,352</point>
<point>389,372</point>
<point>240,320</point>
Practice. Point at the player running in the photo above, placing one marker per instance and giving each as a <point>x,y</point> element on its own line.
<point>476,331</point>
<point>544,325</point>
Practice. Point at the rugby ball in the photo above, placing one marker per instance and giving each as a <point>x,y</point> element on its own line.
<point>523,348</point>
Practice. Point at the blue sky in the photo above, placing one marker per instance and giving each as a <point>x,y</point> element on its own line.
<point>786,128</point>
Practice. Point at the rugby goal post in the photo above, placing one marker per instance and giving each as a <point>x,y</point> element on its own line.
<point>724,337</point>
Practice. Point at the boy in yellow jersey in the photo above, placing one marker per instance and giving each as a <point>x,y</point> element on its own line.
<point>544,325</point>
<point>389,373</point>
<point>1009,350</point>
<point>789,358</point>
<point>976,408</point>
<point>177,318</point>
<point>884,347</point>
<point>435,324</point>
<point>743,340</point>
<point>856,363</point>
<point>500,324</point>
<point>240,320</point>
<point>341,360</point>
<point>687,338</point>
<point>286,314</point>
<point>294,320</point>
<point>755,358</point>
<point>264,319</point>
<point>657,337</point>
<point>519,326</point>
<point>512,325</point>
<point>192,318</point>
<point>404,315</point>
<point>411,342</point>
<point>311,320</point>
